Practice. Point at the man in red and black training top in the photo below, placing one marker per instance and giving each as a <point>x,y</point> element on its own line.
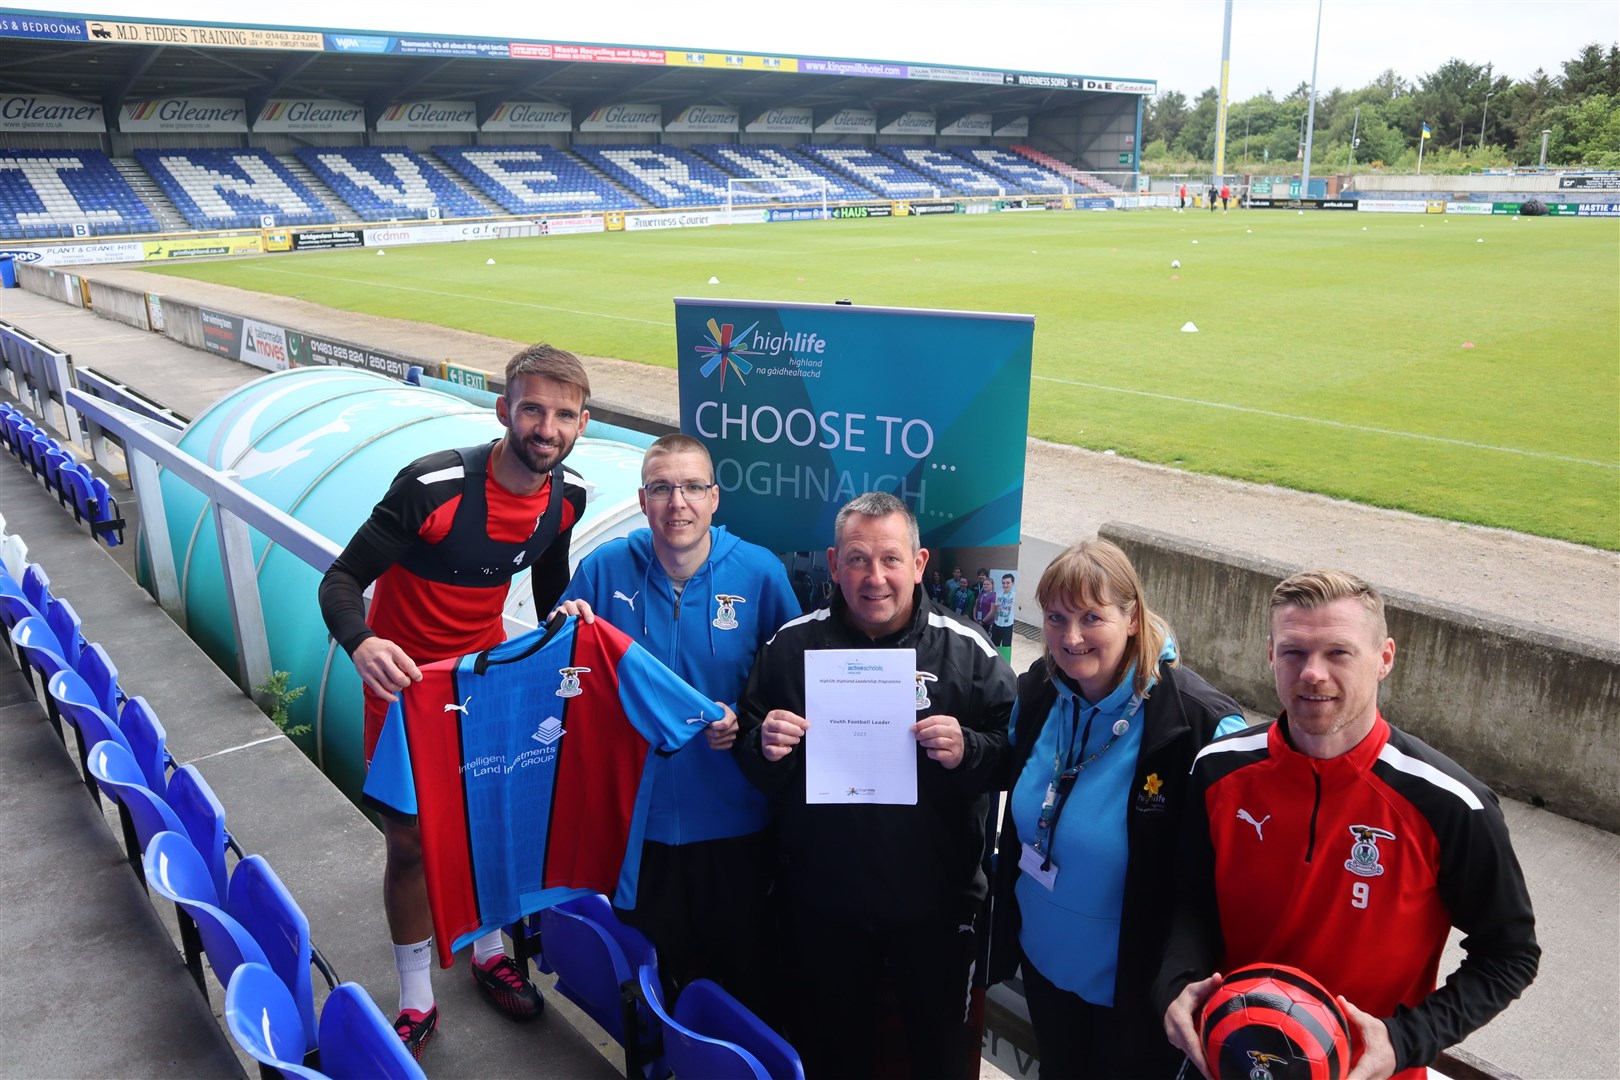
<point>443,546</point>
<point>1332,842</point>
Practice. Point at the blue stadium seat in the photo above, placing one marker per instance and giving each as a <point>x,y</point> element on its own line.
<point>233,189</point>
<point>175,871</point>
<point>261,1017</point>
<point>64,623</point>
<point>1018,171</point>
<point>596,959</point>
<point>195,803</point>
<point>387,183</point>
<point>766,161</point>
<point>97,669</point>
<point>871,169</point>
<point>78,706</point>
<point>665,176</point>
<point>534,179</point>
<point>358,1042</point>
<point>44,193</point>
<point>148,741</point>
<point>258,900</point>
<point>36,586</point>
<point>706,1008</point>
<point>950,172</point>
<point>40,654</point>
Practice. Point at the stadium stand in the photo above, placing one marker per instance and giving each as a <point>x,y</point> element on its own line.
<point>387,183</point>
<point>534,179</point>
<point>232,189</point>
<point>948,171</point>
<point>1025,176</point>
<point>46,193</point>
<point>872,170</point>
<point>771,162</point>
<point>1083,181</point>
<point>665,176</point>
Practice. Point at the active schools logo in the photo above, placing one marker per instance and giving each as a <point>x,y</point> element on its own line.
<point>726,351</point>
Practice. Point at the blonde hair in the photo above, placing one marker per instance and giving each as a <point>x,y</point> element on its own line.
<point>1312,589</point>
<point>1096,573</point>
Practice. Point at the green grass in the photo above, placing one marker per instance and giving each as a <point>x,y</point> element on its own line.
<point>1328,359</point>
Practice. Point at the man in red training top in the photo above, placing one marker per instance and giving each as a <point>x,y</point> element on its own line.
<point>1332,842</point>
<point>443,546</point>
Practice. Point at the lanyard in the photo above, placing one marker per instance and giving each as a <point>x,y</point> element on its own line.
<point>1065,771</point>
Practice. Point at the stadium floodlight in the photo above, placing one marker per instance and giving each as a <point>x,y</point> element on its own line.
<point>776,192</point>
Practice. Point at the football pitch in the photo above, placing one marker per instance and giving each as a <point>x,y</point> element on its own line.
<point>1465,368</point>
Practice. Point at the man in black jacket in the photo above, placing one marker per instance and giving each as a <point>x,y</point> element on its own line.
<point>875,887</point>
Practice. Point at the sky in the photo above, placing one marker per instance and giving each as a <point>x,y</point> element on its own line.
<point>1176,42</point>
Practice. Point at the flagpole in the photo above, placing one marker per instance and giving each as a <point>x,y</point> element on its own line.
<point>1421,141</point>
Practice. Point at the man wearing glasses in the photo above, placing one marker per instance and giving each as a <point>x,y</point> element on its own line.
<point>702,601</point>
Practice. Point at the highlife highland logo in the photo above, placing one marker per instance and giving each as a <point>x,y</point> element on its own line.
<point>737,355</point>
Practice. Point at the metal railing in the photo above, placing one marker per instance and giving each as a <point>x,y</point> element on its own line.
<point>148,449</point>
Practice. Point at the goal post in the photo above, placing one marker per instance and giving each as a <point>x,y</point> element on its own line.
<point>773,192</point>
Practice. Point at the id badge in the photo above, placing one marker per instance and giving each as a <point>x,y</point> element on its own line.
<point>1030,860</point>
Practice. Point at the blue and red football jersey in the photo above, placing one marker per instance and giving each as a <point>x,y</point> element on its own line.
<point>523,766</point>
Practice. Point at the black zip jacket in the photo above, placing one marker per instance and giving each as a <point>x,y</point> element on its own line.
<point>886,866</point>
<point>1181,714</point>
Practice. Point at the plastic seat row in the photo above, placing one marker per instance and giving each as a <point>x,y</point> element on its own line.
<point>47,193</point>
<point>611,972</point>
<point>766,161</point>
<point>76,487</point>
<point>387,183</point>
<point>534,179</point>
<point>1021,175</point>
<point>663,175</point>
<point>233,189</point>
<point>175,833</point>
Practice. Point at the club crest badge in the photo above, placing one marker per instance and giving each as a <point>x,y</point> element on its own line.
<point>1262,1064</point>
<point>1363,861</point>
<point>923,679</point>
<point>726,617</point>
<point>570,681</point>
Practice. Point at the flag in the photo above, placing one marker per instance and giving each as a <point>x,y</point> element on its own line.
<point>1426,133</point>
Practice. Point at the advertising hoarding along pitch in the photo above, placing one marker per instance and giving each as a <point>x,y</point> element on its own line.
<point>785,398</point>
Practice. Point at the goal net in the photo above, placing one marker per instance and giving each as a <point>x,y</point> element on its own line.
<point>751,192</point>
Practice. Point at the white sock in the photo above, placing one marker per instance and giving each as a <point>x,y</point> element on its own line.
<point>415,975</point>
<point>488,947</point>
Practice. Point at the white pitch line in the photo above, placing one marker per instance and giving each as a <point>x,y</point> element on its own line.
<point>463,296</point>
<point>1333,423</point>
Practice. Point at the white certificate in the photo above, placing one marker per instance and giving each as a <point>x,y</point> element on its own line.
<point>861,704</point>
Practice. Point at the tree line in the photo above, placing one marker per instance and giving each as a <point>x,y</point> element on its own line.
<point>1476,118</point>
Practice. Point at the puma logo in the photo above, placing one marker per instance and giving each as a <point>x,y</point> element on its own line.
<point>462,708</point>
<point>1244,815</point>
<point>631,599</point>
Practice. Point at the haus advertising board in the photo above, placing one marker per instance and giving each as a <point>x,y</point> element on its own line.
<point>784,397</point>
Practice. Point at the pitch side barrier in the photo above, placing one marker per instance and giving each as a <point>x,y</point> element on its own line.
<point>1533,714</point>
<point>274,241</point>
<point>37,373</point>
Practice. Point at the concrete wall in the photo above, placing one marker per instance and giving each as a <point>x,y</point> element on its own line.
<point>1534,715</point>
<point>1523,185</point>
<point>119,304</point>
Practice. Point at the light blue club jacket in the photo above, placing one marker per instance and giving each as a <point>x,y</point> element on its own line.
<point>736,600</point>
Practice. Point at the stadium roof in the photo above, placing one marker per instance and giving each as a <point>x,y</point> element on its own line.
<point>110,61</point>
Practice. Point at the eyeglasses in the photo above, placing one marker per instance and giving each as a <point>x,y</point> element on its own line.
<point>661,492</point>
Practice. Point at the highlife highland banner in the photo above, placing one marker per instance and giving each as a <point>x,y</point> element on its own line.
<point>804,406</point>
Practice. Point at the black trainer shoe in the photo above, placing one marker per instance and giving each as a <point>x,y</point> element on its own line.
<point>507,989</point>
<point>416,1028</point>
